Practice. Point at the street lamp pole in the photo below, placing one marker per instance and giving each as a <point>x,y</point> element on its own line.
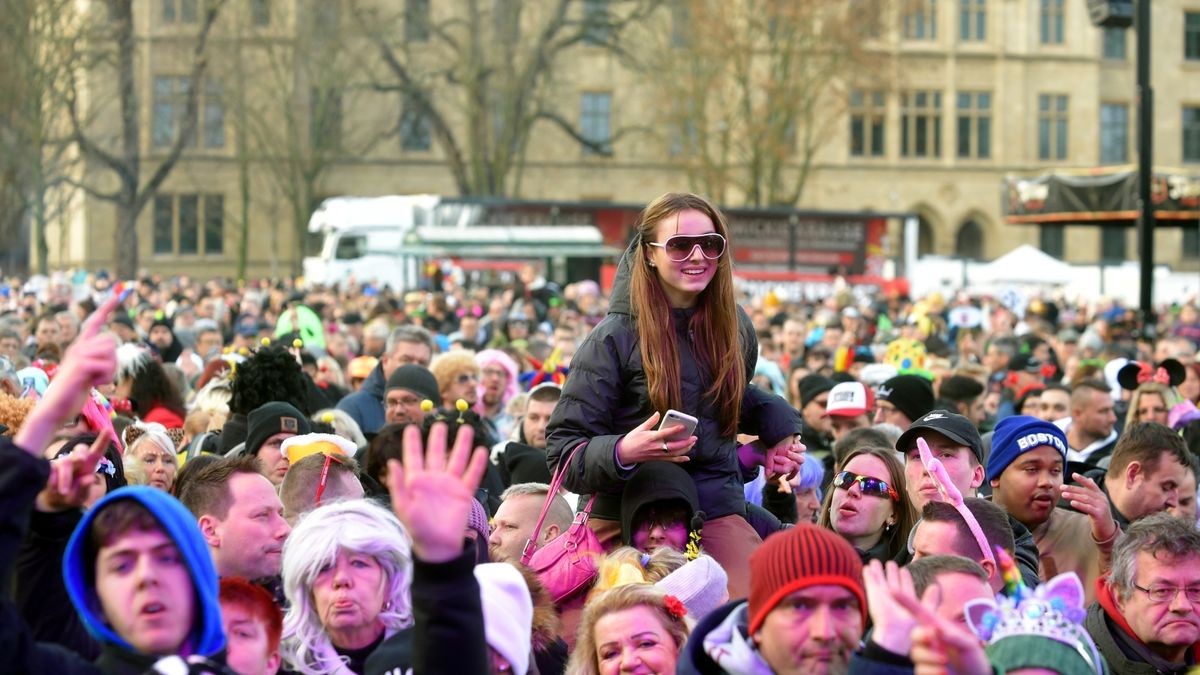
<point>1145,121</point>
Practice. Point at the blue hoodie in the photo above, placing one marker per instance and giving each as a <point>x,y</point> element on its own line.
<point>208,635</point>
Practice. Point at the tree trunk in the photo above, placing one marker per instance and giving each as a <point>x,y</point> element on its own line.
<point>127,240</point>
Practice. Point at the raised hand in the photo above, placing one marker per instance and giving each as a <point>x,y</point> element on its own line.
<point>1087,498</point>
<point>432,495</point>
<point>72,477</point>
<point>941,646</point>
<point>647,444</point>
<point>893,623</point>
<point>91,361</point>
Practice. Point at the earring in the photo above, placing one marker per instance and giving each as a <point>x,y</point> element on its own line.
<point>651,263</point>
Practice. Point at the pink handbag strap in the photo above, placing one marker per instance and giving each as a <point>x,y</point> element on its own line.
<point>555,485</point>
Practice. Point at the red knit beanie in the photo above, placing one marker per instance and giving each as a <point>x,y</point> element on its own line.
<point>799,557</point>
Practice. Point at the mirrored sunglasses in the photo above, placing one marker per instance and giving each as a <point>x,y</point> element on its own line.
<point>868,485</point>
<point>680,247</point>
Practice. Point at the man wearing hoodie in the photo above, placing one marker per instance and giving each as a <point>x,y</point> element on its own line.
<point>406,344</point>
<point>136,568</point>
<point>1146,618</point>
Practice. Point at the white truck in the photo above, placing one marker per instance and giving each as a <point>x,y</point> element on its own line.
<point>386,241</point>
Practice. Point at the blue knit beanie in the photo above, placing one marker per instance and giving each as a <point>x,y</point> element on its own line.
<point>1019,434</point>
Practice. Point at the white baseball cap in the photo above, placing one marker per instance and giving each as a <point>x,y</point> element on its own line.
<point>850,399</point>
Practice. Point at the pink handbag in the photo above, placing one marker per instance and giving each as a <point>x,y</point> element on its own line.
<point>568,563</point>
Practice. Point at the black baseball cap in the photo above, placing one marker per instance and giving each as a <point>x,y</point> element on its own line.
<point>951,425</point>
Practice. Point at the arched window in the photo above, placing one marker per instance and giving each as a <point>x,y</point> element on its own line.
<point>969,241</point>
<point>924,237</point>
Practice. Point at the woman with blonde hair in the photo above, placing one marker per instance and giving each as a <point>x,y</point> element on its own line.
<point>347,570</point>
<point>671,341</point>
<point>627,565</point>
<point>1151,402</point>
<point>150,456</point>
<point>629,627</point>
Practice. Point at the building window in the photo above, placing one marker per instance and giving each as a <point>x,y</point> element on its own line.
<point>1112,243</point>
<point>325,119</point>
<point>170,103</point>
<point>170,107</point>
<point>1191,242</point>
<point>177,224</point>
<point>1191,36</point>
<point>595,22</point>
<point>214,224</point>
<point>416,20</point>
<point>868,112</point>
<point>1052,239</point>
<point>921,124</point>
<point>1051,16</point>
<point>925,244</point>
<point>1191,134</point>
<point>968,243</point>
<point>595,123</point>
<point>1114,44</point>
<point>164,224</point>
<point>975,125</point>
<point>920,22</point>
<point>179,11</point>
<point>260,12</point>
<point>973,21</point>
<point>1114,133</point>
<point>213,122</point>
<point>189,224</point>
<point>1052,126</point>
<point>416,131</point>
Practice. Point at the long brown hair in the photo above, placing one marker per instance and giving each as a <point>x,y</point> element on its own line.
<point>714,326</point>
<point>897,536</point>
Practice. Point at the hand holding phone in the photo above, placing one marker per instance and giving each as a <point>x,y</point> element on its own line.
<point>646,442</point>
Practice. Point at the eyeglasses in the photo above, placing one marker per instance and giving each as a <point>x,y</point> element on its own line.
<point>868,485</point>
<point>1163,594</point>
<point>325,476</point>
<point>680,247</point>
<point>464,378</point>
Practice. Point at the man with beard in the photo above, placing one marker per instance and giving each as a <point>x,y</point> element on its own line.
<point>1145,618</point>
<point>1025,469</point>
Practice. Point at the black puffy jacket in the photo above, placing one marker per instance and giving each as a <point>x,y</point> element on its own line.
<point>606,396</point>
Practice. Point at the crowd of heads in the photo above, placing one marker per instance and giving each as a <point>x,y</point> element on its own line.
<point>958,472</point>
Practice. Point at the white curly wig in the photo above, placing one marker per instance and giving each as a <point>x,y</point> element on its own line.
<point>360,526</point>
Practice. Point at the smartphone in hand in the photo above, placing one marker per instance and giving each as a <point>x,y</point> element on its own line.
<point>674,418</point>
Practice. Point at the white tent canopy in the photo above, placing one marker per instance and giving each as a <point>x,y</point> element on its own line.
<point>1024,265</point>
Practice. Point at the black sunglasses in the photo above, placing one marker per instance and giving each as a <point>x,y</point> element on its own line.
<point>679,247</point>
<point>868,485</point>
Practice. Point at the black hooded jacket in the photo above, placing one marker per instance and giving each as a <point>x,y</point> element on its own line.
<point>657,482</point>
<point>606,396</point>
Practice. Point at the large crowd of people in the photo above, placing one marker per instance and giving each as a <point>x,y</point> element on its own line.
<point>674,474</point>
